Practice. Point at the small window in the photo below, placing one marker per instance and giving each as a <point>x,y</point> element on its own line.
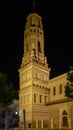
<point>40,98</point>
<point>65,121</point>
<point>64,113</point>
<point>54,91</point>
<point>34,97</point>
<point>39,46</point>
<point>60,89</point>
<point>33,84</point>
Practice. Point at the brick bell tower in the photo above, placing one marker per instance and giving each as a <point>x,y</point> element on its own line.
<point>34,75</point>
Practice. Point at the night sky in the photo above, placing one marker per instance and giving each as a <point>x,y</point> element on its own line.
<point>58,33</point>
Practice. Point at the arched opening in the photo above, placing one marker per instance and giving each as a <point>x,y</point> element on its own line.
<point>64,118</point>
<point>65,121</point>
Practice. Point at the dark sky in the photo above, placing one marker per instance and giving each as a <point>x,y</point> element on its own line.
<point>58,31</point>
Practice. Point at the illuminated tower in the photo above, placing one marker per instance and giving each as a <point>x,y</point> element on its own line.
<point>34,74</point>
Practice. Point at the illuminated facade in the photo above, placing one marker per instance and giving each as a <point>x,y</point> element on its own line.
<point>36,87</point>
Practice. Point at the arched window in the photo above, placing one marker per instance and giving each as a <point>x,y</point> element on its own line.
<point>65,121</point>
<point>65,118</point>
<point>64,113</point>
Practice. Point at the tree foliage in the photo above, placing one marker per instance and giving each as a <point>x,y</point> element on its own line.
<point>7,93</point>
<point>69,85</point>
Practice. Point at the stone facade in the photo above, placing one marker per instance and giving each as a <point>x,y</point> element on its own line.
<point>42,98</point>
<point>61,114</point>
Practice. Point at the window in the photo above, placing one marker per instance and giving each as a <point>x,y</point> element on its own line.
<point>60,89</point>
<point>39,47</point>
<point>65,118</point>
<point>64,113</point>
<point>54,90</point>
<point>40,98</point>
<point>34,97</point>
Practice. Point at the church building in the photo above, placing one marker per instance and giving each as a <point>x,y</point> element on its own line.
<point>42,98</point>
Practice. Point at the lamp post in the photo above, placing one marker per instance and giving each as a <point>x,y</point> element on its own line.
<point>22,115</point>
<point>24,124</point>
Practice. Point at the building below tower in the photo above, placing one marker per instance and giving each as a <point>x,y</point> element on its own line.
<point>42,98</point>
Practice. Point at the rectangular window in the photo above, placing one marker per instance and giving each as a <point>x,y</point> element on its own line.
<point>60,89</point>
<point>40,98</point>
<point>34,97</point>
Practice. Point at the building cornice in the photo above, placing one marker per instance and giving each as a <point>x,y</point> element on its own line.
<point>60,101</point>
